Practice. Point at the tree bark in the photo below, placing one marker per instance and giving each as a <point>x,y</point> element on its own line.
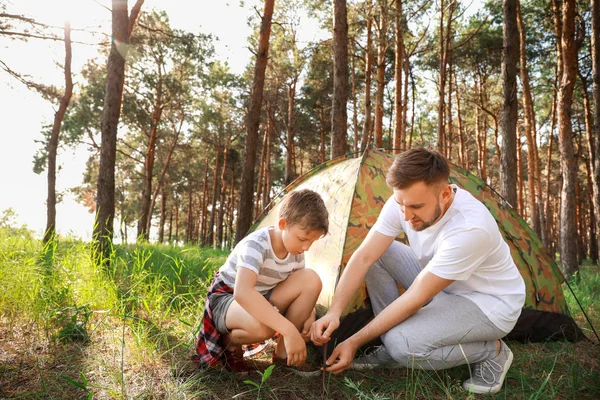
<point>508,125</point>
<point>529,114</point>
<point>568,55</point>
<point>339,113</point>
<point>163,215</point>
<point>54,137</point>
<point>143,232</point>
<point>366,131</point>
<point>596,95</point>
<point>399,138</point>
<point>247,182</point>
<point>115,78</point>
<point>380,76</point>
<point>290,169</point>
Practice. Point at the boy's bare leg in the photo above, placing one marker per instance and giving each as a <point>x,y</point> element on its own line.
<point>296,298</point>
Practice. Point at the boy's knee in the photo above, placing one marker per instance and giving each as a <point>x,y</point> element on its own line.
<point>264,332</point>
<point>310,280</point>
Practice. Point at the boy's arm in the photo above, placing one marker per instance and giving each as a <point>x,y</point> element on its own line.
<point>257,306</point>
<point>373,247</point>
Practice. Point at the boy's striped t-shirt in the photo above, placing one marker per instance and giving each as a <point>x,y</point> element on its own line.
<point>255,252</point>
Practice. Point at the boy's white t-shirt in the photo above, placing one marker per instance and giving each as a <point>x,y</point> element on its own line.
<point>255,252</point>
<point>466,246</point>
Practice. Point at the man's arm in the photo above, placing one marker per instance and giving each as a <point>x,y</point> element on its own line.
<point>369,251</point>
<point>423,289</point>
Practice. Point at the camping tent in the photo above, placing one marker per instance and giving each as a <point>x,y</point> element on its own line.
<point>354,190</point>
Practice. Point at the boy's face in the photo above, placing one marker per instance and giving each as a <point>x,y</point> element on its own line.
<point>295,239</point>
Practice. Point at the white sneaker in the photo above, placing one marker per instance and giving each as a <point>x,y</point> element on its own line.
<point>488,376</point>
<point>377,358</point>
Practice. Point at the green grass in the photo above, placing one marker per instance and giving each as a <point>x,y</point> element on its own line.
<point>70,329</point>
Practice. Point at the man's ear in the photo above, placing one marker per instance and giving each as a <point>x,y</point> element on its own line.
<point>282,223</point>
<point>446,194</point>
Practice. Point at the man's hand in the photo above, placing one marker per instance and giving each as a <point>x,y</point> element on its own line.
<point>323,328</point>
<point>342,357</point>
<point>307,326</point>
<point>295,348</point>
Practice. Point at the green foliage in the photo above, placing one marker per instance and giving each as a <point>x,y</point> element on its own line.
<point>264,376</point>
<point>73,322</point>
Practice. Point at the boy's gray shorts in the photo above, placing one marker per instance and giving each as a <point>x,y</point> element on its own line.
<point>219,304</point>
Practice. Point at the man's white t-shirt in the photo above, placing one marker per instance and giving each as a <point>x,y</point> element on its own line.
<point>466,246</point>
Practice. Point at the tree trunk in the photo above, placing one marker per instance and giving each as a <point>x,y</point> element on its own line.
<point>188,228</point>
<point>354,111</point>
<point>529,114</point>
<point>204,207</point>
<point>596,94</point>
<point>163,215</point>
<point>520,202</point>
<point>216,195</point>
<point>53,143</point>
<point>160,183</point>
<point>462,156</point>
<point>339,113</point>
<point>122,26</point>
<point>589,165</point>
<point>143,232</point>
<point>380,76</point>
<point>508,125</point>
<point>399,139</point>
<point>568,55</point>
<point>368,75</point>
<point>247,183</point>
<point>222,196</point>
<point>445,39</point>
<point>290,155</point>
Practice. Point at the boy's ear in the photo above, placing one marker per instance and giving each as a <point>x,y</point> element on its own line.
<point>282,223</point>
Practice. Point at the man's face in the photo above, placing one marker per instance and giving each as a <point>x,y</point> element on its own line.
<point>423,205</point>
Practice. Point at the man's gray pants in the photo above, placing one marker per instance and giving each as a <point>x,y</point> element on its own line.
<point>448,331</point>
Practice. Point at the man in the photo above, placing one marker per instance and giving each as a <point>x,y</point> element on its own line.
<point>463,290</point>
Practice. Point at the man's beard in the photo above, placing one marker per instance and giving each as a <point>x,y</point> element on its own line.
<point>426,224</point>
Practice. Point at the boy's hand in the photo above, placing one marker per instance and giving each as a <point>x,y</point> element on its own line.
<point>295,348</point>
<point>307,326</point>
<point>321,330</point>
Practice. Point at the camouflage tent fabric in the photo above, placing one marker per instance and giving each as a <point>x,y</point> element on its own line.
<point>354,190</point>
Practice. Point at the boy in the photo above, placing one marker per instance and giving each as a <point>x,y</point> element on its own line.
<point>264,288</point>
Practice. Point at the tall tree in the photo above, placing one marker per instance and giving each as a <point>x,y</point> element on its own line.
<point>510,56</point>
<point>54,137</point>
<point>253,122</point>
<point>381,25</point>
<point>399,133</point>
<point>122,26</point>
<point>596,95</point>
<point>568,221</point>
<point>529,116</point>
<point>339,113</point>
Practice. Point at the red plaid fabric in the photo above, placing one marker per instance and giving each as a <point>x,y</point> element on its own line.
<point>208,347</point>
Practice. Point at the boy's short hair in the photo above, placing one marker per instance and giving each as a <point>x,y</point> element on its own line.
<point>416,165</point>
<point>307,209</point>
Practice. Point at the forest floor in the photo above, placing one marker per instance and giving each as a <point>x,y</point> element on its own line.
<point>71,330</point>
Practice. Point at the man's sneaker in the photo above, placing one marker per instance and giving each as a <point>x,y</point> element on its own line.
<point>377,358</point>
<point>305,370</point>
<point>234,361</point>
<point>488,375</point>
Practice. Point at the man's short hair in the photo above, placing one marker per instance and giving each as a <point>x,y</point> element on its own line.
<point>307,209</point>
<point>416,165</point>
